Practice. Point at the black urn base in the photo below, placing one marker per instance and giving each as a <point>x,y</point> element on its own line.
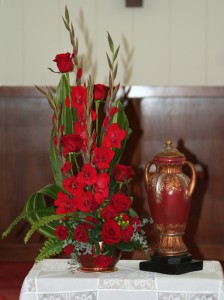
<point>173,265</point>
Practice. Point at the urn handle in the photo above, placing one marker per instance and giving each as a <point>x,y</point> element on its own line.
<point>147,176</point>
<point>193,178</point>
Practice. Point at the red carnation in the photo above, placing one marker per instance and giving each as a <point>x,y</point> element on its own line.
<point>114,136</point>
<point>120,202</point>
<point>127,234</point>
<point>61,232</point>
<point>80,234</point>
<point>122,173</point>
<point>100,92</point>
<point>103,261</point>
<point>111,232</point>
<point>102,157</point>
<point>70,143</point>
<point>64,62</point>
<point>88,175</point>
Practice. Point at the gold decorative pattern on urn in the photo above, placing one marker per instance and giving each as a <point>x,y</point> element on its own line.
<point>169,183</point>
<point>170,240</point>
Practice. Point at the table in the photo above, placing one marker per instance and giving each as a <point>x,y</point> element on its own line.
<point>51,280</point>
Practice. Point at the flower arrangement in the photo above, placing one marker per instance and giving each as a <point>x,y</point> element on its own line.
<point>91,195</point>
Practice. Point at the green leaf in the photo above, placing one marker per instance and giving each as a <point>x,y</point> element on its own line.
<point>55,162</point>
<point>109,62</point>
<point>67,14</point>
<point>125,246</point>
<point>111,43</point>
<point>116,53</point>
<point>36,204</point>
<point>51,247</point>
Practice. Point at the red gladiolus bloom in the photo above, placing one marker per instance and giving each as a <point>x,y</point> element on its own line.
<point>80,234</point>
<point>78,96</point>
<point>65,203</point>
<point>80,130</point>
<point>100,92</point>
<point>111,232</point>
<point>72,185</point>
<point>68,249</point>
<point>127,234</point>
<point>70,143</point>
<point>61,232</point>
<point>101,194</point>
<point>88,175</point>
<point>102,157</point>
<point>113,111</point>
<point>122,173</point>
<point>66,167</point>
<point>84,201</point>
<point>120,202</point>
<point>114,136</point>
<point>64,62</point>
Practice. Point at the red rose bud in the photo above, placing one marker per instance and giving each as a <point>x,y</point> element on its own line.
<point>79,73</point>
<point>80,234</point>
<point>100,92</point>
<point>64,62</point>
<point>68,249</point>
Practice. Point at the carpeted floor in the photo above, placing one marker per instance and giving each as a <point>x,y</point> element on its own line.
<point>12,276</point>
<point>11,279</point>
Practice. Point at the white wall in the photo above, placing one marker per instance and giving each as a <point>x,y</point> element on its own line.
<point>174,42</point>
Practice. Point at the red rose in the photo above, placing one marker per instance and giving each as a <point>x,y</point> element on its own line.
<point>68,249</point>
<point>111,232</point>
<point>61,232</point>
<point>80,234</point>
<point>100,92</point>
<point>120,202</point>
<point>66,167</point>
<point>108,213</point>
<point>135,222</point>
<point>102,157</point>
<point>114,136</point>
<point>127,233</point>
<point>102,261</point>
<point>64,62</point>
<point>122,173</point>
<point>70,143</point>
<point>88,175</point>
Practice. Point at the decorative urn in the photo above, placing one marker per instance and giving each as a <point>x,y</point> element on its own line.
<point>169,191</point>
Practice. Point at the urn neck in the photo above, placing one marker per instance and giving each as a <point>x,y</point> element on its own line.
<point>169,168</point>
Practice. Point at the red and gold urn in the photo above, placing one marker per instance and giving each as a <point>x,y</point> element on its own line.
<point>169,193</point>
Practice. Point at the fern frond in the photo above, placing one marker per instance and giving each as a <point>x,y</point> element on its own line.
<point>51,247</point>
<point>14,223</point>
<point>42,222</point>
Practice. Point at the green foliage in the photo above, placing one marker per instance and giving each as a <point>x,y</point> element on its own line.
<point>52,246</point>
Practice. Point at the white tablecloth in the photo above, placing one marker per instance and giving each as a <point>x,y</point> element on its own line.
<point>51,280</point>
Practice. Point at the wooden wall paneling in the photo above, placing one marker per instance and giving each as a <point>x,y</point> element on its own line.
<point>191,115</point>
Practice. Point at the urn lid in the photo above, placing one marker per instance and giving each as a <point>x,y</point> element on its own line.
<point>169,153</point>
